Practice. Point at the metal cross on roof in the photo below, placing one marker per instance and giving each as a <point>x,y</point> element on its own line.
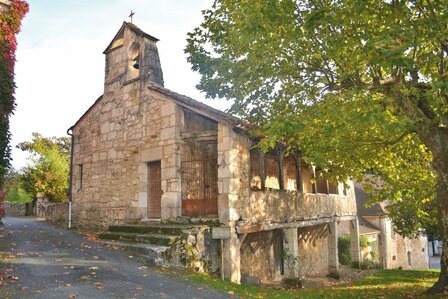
<point>131,15</point>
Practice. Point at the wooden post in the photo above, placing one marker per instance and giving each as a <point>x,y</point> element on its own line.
<point>280,149</point>
<point>222,259</point>
<point>262,169</point>
<point>298,163</point>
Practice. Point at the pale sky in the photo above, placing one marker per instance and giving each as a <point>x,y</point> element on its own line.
<point>60,60</point>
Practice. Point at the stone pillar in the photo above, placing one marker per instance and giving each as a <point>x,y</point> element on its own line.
<point>333,260</point>
<point>171,203</point>
<point>229,181</point>
<point>291,247</point>
<point>232,255</point>
<point>384,242</point>
<point>355,251</point>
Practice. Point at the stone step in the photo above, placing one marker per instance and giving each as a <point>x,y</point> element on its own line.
<point>153,228</point>
<point>154,239</point>
<point>154,254</point>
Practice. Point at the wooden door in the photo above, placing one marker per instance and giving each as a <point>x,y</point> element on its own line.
<point>154,190</point>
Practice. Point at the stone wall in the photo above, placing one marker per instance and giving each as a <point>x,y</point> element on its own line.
<point>261,255</point>
<point>57,213</point>
<point>397,251</point>
<point>313,251</point>
<point>14,209</point>
<point>134,128</point>
<point>410,253</point>
<point>280,206</point>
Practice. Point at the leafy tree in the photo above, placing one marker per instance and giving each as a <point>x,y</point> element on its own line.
<point>48,171</point>
<point>353,85</point>
<point>14,187</point>
<point>9,27</point>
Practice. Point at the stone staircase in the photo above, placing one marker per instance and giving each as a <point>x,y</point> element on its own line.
<point>159,244</point>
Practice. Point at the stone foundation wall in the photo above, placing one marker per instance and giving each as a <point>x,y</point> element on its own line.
<point>196,250</point>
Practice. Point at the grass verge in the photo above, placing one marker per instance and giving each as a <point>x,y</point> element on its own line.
<point>381,284</point>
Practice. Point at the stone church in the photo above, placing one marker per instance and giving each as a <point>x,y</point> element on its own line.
<point>144,155</point>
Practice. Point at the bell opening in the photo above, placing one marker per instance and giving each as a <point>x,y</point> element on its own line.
<point>136,64</point>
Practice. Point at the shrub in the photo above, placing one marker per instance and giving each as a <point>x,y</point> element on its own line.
<point>335,275</point>
<point>344,250</point>
<point>363,241</point>
<point>369,264</point>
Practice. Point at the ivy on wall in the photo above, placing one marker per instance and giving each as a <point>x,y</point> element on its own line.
<point>9,26</point>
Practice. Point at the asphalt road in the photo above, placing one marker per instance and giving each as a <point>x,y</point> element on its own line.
<point>46,262</point>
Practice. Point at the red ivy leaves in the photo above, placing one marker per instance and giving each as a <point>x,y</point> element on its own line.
<point>9,27</point>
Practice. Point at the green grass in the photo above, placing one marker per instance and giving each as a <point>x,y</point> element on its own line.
<point>381,284</point>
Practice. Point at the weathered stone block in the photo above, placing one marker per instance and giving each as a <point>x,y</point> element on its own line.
<point>168,108</point>
<point>171,205</point>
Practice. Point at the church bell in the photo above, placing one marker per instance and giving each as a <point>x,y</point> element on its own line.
<point>136,64</point>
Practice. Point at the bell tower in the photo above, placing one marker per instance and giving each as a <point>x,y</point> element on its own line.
<point>132,55</point>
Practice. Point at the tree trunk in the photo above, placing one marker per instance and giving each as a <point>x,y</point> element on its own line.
<point>437,141</point>
<point>441,286</point>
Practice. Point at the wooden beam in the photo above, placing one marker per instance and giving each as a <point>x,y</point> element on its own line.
<point>241,239</point>
<point>249,228</point>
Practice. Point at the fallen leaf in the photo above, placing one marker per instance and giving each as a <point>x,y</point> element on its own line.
<point>162,294</point>
<point>95,257</point>
<point>13,277</point>
<point>91,237</point>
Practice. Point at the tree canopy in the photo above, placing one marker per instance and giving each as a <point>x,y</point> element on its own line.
<point>353,85</point>
<point>48,172</point>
